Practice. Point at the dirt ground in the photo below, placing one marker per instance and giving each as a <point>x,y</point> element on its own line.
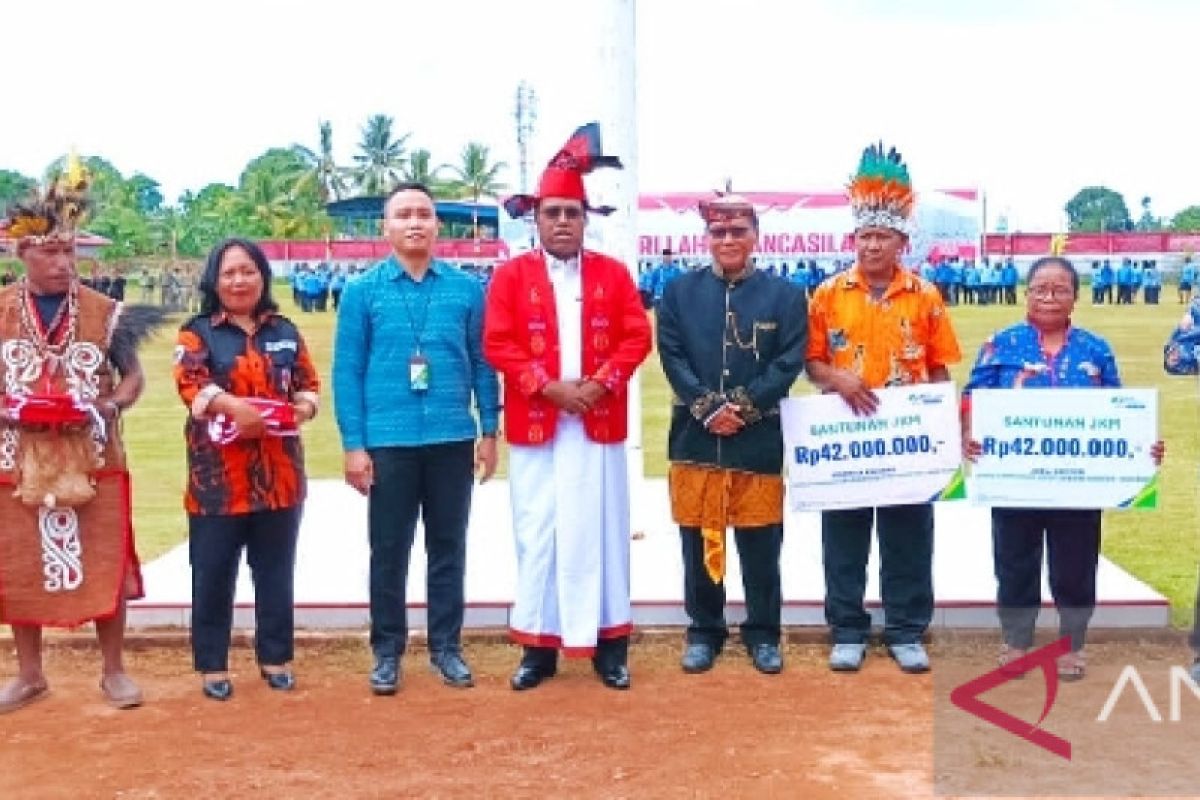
<point>730,733</point>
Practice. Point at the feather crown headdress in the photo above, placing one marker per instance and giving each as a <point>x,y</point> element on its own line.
<point>881,193</point>
<point>52,215</point>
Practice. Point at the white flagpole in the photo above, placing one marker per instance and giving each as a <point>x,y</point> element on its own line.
<point>611,58</point>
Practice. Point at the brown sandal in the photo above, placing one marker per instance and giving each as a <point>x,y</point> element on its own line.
<point>1072,666</point>
<point>1009,654</point>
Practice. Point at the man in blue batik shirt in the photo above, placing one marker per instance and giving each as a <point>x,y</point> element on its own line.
<point>407,364</point>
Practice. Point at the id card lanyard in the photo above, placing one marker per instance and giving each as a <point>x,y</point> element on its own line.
<point>418,364</point>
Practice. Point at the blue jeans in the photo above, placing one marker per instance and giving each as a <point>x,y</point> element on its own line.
<point>905,571</point>
<point>433,481</point>
<point>215,550</point>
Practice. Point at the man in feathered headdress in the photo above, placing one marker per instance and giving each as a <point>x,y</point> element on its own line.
<point>567,329</point>
<point>731,340</point>
<point>69,364</point>
<point>879,325</point>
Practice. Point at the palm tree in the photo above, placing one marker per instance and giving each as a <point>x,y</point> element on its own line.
<point>380,158</point>
<point>475,176</point>
<point>420,169</point>
<point>322,171</point>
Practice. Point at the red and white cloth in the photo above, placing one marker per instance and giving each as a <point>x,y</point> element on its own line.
<point>279,416</point>
<point>46,409</point>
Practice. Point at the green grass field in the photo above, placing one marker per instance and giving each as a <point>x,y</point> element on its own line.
<point>1161,546</point>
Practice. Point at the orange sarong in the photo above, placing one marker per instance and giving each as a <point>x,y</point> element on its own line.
<point>713,499</point>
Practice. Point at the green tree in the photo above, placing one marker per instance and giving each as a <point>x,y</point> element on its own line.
<point>1098,208</point>
<point>14,186</point>
<point>1147,221</point>
<point>380,160</point>
<point>1187,220</point>
<point>275,199</point>
<point>419,168</point>
<point>127,230</point>
<point>145,193</point>
<point>205,218</point>
<point>322,170</point>
<point>475,175</point>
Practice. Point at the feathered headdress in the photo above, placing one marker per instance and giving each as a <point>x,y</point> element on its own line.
<point>881,194</point>
<point>52,215</point>
<point>564,175</point>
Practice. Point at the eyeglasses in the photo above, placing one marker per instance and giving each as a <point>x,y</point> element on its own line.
<point>719,233</point>
<point>1051,292</point>
<point>561,212</point>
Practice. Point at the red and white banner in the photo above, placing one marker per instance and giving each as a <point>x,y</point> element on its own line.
<point>807,225</point>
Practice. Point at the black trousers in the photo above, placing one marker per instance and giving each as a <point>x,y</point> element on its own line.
<point>433,481</point>
<point>905,571</point>
<point>758,551</point>
<point>215,546</point>
<point>1071,541</point>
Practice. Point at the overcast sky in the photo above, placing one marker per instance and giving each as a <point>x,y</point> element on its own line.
<point>1028,100</point>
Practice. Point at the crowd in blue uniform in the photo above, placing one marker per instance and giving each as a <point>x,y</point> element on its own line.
<point>1121,285</point>
<point>960,281</point>
<point>313,287</point>
<point>653,277</point>
<point>319,287</point>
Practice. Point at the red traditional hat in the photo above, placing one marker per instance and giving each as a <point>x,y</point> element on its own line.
<point>564,176</point>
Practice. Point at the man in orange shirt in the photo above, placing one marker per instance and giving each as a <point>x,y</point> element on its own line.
<point>873,326</point>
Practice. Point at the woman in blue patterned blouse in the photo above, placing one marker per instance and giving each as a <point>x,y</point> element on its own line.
<point>1044,351</point>
<point>1181,356</point>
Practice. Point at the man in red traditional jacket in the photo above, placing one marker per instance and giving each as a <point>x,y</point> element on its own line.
<point>566,328</point>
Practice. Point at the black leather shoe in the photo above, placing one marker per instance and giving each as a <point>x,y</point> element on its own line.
<point>767,658</point>
<point>698,657</point>
<point>616,677</point>
<point>218,690</point>
<point>529,676</point>
<point>385,677</point>
<point>283,681</point>
<point>454,671</point>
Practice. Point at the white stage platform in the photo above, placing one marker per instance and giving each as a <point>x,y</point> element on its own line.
<point>331,570</point>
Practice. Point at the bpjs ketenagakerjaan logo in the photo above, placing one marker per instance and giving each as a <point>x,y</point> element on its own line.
<point>967,696</point>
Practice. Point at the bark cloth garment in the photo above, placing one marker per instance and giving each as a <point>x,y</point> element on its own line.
<point>67,564</point>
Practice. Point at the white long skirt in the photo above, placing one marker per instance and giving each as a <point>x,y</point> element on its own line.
<point>570,500</point>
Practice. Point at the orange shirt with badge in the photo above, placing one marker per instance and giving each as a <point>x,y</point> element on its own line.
<point>890,341</point>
